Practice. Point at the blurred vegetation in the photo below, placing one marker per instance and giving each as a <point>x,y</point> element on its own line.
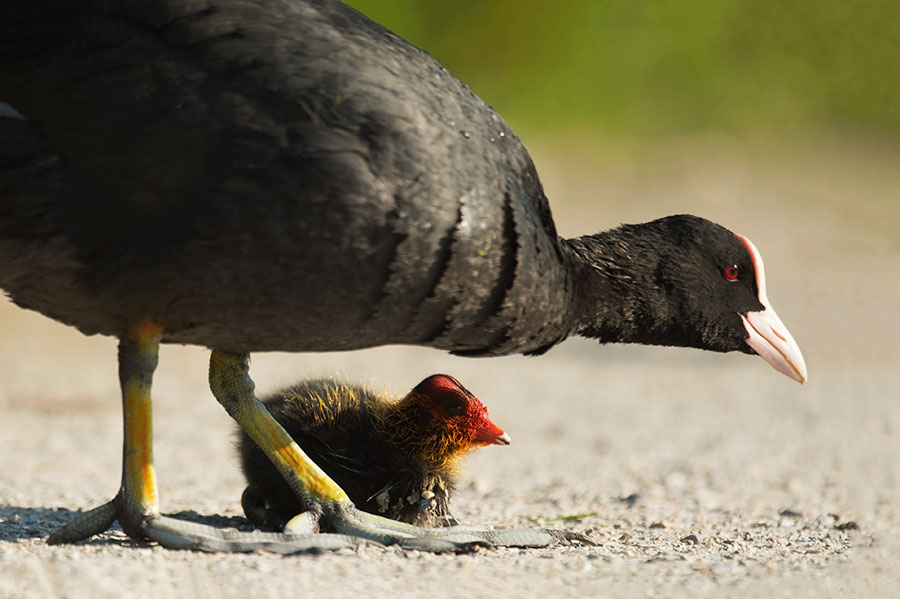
<point>660,67</point>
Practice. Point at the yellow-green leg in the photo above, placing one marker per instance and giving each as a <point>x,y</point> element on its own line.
<point>136,505</point>
<point>138,497</point>
<point>230,382</point>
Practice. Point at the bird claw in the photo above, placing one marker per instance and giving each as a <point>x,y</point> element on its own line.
<point>304,523</point>
<point>570,537</point>
<point>86,525</point>
<point>454,539</point>
<point>433,545</point>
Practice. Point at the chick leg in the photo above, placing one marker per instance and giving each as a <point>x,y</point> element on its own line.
<point>254,504</point>
<point>232,386</point>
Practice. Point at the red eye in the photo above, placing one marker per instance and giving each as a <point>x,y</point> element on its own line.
<point>732,272</point>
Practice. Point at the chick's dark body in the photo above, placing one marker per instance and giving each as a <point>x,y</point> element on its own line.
<point>348,432</point>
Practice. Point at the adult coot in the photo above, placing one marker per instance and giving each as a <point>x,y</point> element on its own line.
<point>289,175</point>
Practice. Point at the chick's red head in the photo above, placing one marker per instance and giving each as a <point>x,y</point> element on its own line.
<point>460,410</point>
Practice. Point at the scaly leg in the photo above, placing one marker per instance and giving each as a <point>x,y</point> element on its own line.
<point>137,498</point>
<point>136,505</point>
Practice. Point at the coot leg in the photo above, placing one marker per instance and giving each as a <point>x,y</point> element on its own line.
<point>137,498</point>
<point>136,506</point>
<point>232,386</point>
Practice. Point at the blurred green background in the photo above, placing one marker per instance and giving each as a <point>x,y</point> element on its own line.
<point>657,68</point>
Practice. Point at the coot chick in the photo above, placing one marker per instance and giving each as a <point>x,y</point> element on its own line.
<point>398,459</point>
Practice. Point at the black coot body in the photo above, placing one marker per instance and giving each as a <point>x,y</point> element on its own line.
<point>288,176</point>
<point>292,176</point>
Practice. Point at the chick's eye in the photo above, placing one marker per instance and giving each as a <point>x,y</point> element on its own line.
<point>455,408</point>
<point>732,272</point>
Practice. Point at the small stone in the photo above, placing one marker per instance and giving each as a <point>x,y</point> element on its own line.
<point>630,500</point>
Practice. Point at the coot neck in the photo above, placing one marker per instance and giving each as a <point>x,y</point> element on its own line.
<point>620,292</point>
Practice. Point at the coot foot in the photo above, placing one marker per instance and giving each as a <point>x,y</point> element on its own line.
<point>357,522</point>
<point>348,520</point>
<point>86,525</point>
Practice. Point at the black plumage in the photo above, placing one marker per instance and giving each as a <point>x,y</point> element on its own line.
<point>397,458</point>
<point>292,176</point>
<point>288,175</point>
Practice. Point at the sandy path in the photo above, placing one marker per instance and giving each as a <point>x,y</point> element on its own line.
<point>697,474</point>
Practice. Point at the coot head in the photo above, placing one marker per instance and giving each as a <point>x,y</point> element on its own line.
<point>683,280</point>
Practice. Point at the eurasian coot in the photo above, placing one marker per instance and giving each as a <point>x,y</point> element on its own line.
<point>288,175</point>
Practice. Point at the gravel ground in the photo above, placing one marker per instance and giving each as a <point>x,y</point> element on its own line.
<point>696,474</point>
